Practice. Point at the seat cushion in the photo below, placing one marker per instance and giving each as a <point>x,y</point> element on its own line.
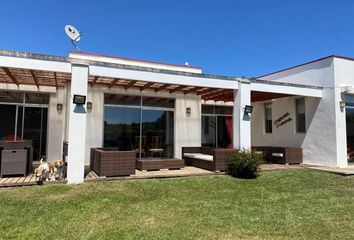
<point>200,156</point>
<point>277,155</point>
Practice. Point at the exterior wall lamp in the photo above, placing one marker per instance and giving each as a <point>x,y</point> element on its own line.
<point>188,111</point>
<point>59,107</point>
<point>342,105</point>
<point>89,105</point>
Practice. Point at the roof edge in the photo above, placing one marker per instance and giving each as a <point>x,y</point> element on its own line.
<point>132,59</point>
<point>306,63</point>
<point>36,56</point>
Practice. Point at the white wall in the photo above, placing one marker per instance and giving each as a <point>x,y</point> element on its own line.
<point>318,73</point>
<point>325,139</point>
<point>94,121</point>
<point>187,128</point>
<point>56,125</point>
<point>319,141</point>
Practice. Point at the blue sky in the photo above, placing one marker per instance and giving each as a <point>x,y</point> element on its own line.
<point>234,38</point>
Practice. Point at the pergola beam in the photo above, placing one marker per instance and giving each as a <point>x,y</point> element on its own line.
<point>177,89</point>
<point>94,81</point>
<point>193,89</point>
<point>225,97</point>
<point>213,95</point>
<point>147,85</point>
<point>162,87</point>
<point>34,78</point>
<point>56,80</point>
<point>130,84</point>
<point>208,90</point>
<point>114,81</point>
<point>10,75</point>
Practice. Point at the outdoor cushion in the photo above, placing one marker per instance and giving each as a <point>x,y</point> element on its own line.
<point>277,155</point>
<point>199,156</point>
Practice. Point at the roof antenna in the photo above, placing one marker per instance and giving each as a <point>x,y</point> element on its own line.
<point>73,34</point>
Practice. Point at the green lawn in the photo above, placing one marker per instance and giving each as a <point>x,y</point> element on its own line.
<point>297,204</point>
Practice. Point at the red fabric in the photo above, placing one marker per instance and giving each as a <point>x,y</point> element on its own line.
<point>228,123</point>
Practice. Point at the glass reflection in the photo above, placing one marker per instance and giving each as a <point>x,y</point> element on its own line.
<point>157,127</point>
<point>122,128</point>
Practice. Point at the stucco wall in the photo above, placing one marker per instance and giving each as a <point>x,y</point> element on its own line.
<point>318,73</point>
<point>187,128</point>
<point>319,141</point>
<point>56,125</point>
<point>325,139</point>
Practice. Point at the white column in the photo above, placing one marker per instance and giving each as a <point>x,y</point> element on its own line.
<point>341,130</point>
<point>77,125</point>
<point>242,122</point>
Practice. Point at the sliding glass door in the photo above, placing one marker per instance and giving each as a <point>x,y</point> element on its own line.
<point>24,117</point>
<point>35,129</point>
<point>122,127</point>
<point>157,129</point>
<point>216,126</point>
<point>142,124</point>
<point>350,132</point>
<point>8,122</point>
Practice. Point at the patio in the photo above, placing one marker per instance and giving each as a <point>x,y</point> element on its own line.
<point>187,171</point>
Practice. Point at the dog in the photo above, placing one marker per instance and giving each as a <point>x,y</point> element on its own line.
<point>43,172</point>
<point>58,166</point>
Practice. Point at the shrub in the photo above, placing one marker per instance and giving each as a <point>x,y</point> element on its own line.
<point>244,164</point>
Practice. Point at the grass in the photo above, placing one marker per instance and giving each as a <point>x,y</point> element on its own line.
<point>297,204</point>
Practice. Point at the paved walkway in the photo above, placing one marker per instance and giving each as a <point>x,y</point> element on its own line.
<point>342,171</point>
<point>164,173</point>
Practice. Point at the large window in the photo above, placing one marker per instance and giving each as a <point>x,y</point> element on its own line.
<point>217,126</point>
<point>300,115</point>
<point>24,117</point>
<point>142,124</point>
<point>268,122</point>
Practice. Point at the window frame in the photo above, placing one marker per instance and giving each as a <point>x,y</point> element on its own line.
<point>265,117</point>
<point>296,115</point>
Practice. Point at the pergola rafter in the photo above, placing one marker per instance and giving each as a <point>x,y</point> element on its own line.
<point>162,87</point>
<point>94,81</point>
<point>177,89</point>
<point>130,84</point>
<point>114,81</point>
<point>34,78</point>
<point>10,75</point>
<point>147,85</point>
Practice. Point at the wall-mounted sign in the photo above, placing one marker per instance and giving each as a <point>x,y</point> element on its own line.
<point>285,118</point>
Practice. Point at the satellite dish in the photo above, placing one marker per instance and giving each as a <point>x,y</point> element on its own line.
<point>73,34</point>
<point>186,64</point>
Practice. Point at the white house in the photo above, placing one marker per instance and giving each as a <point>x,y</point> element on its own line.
<point>302,107</point>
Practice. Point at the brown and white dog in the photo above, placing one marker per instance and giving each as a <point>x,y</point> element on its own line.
<point>42,172</point>
<point>58,167</point>
<point>49,171</point>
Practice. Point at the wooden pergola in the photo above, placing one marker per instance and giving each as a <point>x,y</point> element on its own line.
<point>56,79</point>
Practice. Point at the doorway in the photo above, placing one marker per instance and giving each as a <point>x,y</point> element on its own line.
<point>350,133</point>
<point>24,116</point>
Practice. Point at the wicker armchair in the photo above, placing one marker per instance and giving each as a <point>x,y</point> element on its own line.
<point>112,162</point>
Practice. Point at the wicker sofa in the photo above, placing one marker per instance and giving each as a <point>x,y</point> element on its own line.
<point>111,162</point>
<point>281,155</point>
<point>213,159</point>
